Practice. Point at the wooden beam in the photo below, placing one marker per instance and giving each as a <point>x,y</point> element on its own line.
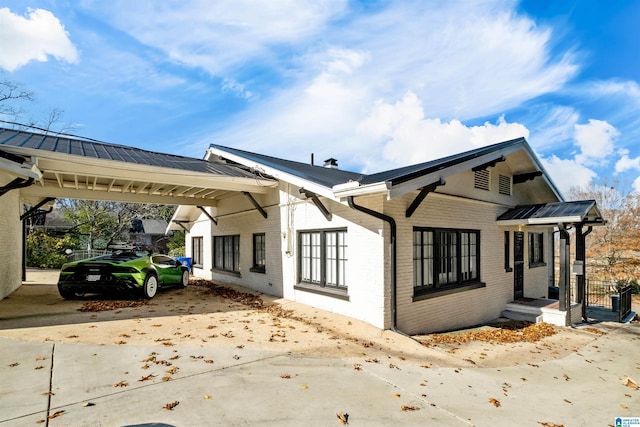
<point>524,177</point>
<point>489,164</point>
<point>255,204</point>
<point>316,201</point>
<point>204,211</point>
<point>420,197</point>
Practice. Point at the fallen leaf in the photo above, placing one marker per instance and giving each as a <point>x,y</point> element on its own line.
<point>410,408</point>
<point>206,396</point>
<point>624,406</point>
<point>40,358</point>
<point>72,336</point>
<point>166,378</point>
<point>13,365</point>
<point>631,383</point>
<point>566,400</point>
<point>357,366</point>
<point>146,377</point>
<point>171,405</point>
<point>285,376</point>
<point>38,367</point>
<point>397,396</point>
<point>495,402</point>
<point>304,387</point>
<point>48,393</point>
<point>87,404</point>
<point>56,414</point>
<point>121,384</point>
<point>343,418</point>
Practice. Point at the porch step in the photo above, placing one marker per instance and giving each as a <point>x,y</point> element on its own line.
<point>519,315</point>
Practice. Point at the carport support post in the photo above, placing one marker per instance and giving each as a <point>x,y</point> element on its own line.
<point>565,283</point>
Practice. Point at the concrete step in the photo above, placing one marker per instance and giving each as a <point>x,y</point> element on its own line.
<point>519,315</point>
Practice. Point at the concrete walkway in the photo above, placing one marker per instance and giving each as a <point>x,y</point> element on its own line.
<point>77,384</point>
<point>89,385</point>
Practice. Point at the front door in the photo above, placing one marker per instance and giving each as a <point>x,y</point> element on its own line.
<point>518,264</point>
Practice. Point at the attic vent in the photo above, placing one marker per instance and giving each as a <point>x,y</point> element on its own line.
<point>481,179</point>
<point>504,185</point>
<point>331,163</point>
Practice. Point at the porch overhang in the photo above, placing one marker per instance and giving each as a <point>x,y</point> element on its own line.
<point>584,212</point>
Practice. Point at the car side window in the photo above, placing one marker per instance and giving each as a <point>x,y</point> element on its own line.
<point>163,260</point>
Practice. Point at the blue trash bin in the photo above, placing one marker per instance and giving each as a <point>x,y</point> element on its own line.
<point>186,261</point>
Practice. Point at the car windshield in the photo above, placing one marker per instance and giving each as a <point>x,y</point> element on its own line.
<point>120,256</point>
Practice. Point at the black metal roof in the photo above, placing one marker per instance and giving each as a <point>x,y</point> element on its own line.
<point>321,175</point>
<point>583,210</point>
<point>330,176</point>
<point>67,144</point>
<point>406,173</point>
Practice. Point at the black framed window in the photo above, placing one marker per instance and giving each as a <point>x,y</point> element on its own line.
<point>196,251</point>
<point>507,252</point>
<point>323,258</point>
<point>445,258</point>
<point>536,249</point>
<point>226,253</point>
<point>259,253</point>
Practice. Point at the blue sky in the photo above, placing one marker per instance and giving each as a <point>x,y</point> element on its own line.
<point>375,84</point>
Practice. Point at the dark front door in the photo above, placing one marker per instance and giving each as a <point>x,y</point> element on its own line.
<point>518,264</point>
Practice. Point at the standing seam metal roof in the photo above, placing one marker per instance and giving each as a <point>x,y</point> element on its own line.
<point>101,150</point>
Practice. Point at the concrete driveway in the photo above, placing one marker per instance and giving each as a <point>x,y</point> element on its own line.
<point>64,381</point>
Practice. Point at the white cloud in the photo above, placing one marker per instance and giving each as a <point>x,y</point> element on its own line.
<point>33,38</point>
<point>626,163</point>
<point>636,185</point>
<point>408,137</point>
<point>555,128</point>
<point>222,35</point>
<point>567,173</point>
<point>627,88</point>
<point>595,140</point>
<point>460,60</point>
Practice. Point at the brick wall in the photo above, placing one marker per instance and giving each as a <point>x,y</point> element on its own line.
<point>11,247</point>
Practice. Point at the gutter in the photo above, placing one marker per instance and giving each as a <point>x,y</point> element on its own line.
<point>394,281</point>
<point>15,184</point>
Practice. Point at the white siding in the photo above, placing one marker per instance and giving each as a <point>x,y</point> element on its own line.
<point>366,278</point>
<point>458,309</point>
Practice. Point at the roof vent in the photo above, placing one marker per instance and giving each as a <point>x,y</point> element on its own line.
<point>331,163</point>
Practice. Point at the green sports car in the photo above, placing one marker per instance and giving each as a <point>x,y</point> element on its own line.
<point>121,271</point>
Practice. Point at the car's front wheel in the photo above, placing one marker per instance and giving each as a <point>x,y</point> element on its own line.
<point>185,278</point>
<point>150,286</point>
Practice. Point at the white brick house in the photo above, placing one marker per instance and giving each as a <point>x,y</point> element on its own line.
<point>430,247</point>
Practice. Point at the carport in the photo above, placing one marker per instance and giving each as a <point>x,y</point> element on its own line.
<point>38,167</point>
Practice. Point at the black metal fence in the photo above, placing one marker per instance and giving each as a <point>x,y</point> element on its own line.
<point>606,295</point>
<point>609,295</point>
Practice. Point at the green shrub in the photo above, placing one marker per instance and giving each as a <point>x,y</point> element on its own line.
<point>45,251</point>
<point>635,286</point>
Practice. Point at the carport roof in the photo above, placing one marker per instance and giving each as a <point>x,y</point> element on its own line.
<point>85,147</point>
<point>65,166</point>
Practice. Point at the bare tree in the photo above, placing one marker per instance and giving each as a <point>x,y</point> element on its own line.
<point>12,94</point>
<point>613,249</point>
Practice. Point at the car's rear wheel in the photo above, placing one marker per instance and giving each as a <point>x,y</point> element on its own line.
<point>185,278</point>
<point>150,286</point>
